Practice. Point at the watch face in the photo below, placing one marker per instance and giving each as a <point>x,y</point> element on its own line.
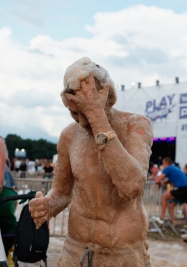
<point>101,139</point>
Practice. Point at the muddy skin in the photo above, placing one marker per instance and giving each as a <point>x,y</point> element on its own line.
<point>104,185</point>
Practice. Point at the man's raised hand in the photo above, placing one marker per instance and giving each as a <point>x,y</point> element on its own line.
<point>87,98</point>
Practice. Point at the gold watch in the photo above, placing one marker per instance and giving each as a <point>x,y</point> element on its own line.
<point>103,138</point>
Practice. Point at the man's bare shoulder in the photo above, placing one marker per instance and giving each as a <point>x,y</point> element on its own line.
<point>68,133</point>
<point>140,126</point>
<point>130,118</point>
<point>135,124</point>
<point>139,120</point>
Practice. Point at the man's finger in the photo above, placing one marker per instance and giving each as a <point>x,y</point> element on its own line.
<point>91,78</point>
<point>39,194</point>
<point>84,84</point>
<point>39,214</point>
<point>71,97</point>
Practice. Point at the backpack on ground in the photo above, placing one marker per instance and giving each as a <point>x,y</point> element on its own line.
<point>30,243</point>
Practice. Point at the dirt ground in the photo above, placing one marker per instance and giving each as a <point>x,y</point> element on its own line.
<point>163,253</point>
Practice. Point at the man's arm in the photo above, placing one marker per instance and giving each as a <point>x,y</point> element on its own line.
<point>61,191</point>
<point>160,178</point>
<point>128,164</point>
<point>58,198</point>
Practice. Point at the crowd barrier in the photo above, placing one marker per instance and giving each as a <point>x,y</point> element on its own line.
<point>152,201</point>
<point>36,174</point>
<point>58,225</point>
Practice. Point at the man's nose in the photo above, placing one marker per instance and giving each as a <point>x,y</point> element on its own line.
<point>83,121</point>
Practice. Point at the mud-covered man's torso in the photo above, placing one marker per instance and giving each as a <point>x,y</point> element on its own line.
<point>103,179</point>
<point>98,213</point>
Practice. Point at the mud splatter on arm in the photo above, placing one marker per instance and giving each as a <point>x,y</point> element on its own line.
<point>128,163</point>
<point>61,191</point>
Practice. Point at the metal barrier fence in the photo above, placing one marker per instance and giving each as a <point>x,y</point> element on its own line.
<point>152,201</point>
<point>58,225</point>
<point>36,174</point>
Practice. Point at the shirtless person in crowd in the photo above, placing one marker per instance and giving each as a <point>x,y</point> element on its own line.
<point>104,156</point>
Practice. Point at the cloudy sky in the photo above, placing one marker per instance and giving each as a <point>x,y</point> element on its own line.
<point>136,41</point>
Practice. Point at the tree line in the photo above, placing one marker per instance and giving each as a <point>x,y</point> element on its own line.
<point>35,149</point>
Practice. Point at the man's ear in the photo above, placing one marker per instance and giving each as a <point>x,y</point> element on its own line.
<point>112,98</point>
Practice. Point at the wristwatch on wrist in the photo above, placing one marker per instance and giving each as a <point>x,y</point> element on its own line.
<point>103,138</point>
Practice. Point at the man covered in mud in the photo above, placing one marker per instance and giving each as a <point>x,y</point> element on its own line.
<point>102,166</point>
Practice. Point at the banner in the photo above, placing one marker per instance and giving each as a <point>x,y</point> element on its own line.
<point>181,148</point>
<point>166,107</point>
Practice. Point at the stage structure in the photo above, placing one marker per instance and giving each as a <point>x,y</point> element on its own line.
<point>166,107</point>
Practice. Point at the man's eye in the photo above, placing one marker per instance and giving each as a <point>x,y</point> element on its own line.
<point>73,113</point>
<point>69,91</point>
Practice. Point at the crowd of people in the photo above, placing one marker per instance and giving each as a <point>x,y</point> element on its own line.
<point>170,173</point>
<point>41,168</point>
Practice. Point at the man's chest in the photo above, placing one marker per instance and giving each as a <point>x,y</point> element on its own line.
<point>84,158</point>
<point>91,178</point>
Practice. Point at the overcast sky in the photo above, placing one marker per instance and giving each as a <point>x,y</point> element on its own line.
<point>143,41</point>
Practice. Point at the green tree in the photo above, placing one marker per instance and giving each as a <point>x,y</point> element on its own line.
<point>35,149</point>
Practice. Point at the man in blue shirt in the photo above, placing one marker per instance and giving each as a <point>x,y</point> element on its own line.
<point>179,180</point>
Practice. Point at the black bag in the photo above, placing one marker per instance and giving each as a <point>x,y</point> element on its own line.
<point>30,243</point>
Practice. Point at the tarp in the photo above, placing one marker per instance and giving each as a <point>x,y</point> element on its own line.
<point>166,107</point>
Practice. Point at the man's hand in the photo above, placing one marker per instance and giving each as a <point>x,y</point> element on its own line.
<point>87,99</point>
<point>161,184</point>
<point>159,178</point>
<point>39,209</point>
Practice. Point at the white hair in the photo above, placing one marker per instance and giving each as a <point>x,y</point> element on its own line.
<point>80,70</point>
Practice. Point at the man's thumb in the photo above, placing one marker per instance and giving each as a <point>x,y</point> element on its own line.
<point>39,194</point>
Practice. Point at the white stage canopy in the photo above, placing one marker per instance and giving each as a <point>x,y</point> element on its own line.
<point>166,107</point>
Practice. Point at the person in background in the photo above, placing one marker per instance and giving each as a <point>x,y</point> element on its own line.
<point>6,178</point>
<point>48,169</point>
<point>154,173</point>
<point>23,168</point>
<point>39,169</point>
<point>9,180</point>
<point>152,178</point>
<point>17,164</point>
<point>160,170</point>
<point>3,262</point>
<point>8,220</point>
<point>2,161</point>
<point>12,168</point>
<point>179,193</point>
